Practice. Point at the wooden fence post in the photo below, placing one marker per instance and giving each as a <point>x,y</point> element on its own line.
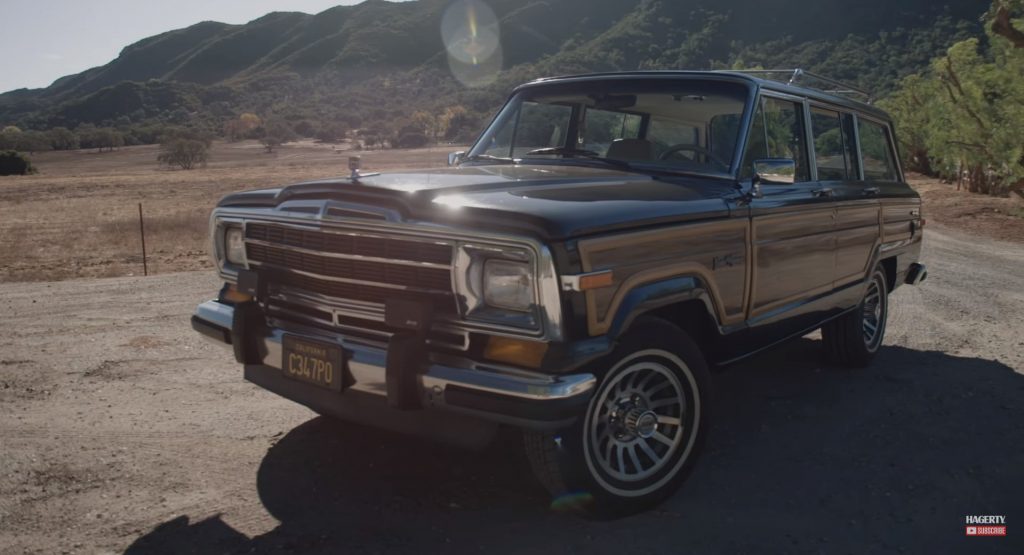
<point>142,233</point>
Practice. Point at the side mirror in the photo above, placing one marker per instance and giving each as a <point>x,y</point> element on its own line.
<point>775,170</point>
<point>454,158</point>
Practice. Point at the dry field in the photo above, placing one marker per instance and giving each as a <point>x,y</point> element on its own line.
<point>79,216</point>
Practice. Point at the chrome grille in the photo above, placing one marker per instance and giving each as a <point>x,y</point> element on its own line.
<point>349,267</point>
<point>353,242</point>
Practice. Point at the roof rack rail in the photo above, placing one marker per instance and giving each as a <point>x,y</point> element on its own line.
<point>802,78</point>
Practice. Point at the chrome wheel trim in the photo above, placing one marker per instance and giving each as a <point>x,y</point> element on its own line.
<point>629,459</point>
<point>874,309</point>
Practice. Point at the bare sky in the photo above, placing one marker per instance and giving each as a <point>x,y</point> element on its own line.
<point>42,40</point>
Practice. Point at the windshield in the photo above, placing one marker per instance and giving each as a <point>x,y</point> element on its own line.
<point>674,125</point>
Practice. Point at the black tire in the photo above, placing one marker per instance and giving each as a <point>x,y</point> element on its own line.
<point>850,340</point>
<point>654,390</point>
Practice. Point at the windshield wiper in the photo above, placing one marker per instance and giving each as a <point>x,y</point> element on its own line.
<point>489,158</point>
<point>581,153</point>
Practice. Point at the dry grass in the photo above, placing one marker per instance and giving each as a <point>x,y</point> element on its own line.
<point>79,216</point>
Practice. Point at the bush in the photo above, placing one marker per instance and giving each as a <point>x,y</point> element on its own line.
<point>15,163</point>
<point>183,152</point>
<point>412,140</point>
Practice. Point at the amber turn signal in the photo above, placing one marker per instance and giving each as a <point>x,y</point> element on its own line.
<point>516,351</point>
<point>232,294</point>
<point>596,281</point>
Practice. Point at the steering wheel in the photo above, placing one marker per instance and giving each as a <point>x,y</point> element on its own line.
<point>682,147</point>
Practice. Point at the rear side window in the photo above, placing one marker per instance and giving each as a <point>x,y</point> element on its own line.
<point>777,132</point>
<point>876,150</point>
<point>834,153</point>
<point>664,134</point>
<point>601,127</point>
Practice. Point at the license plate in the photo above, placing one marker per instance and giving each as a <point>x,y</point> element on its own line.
<point>313,362</point>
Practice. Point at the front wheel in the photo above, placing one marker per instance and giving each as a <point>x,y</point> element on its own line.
<point>642,431</point>
<point>854,338</point>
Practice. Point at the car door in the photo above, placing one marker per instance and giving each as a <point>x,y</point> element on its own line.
<point>839,176</point>
<point>792,224</point>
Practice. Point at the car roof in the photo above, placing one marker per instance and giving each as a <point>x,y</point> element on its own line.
<point>735,76</point>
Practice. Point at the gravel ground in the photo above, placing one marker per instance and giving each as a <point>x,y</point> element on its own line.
<point>121,430</point>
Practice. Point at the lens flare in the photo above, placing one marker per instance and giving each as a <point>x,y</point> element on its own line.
<point>472,38</point>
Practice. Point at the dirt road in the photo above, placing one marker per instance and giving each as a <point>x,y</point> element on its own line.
<point>120,429</point>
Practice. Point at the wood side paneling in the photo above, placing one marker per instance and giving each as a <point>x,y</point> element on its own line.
<point>716,252</point>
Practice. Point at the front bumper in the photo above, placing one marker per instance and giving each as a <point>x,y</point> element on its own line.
<point>499,394</point>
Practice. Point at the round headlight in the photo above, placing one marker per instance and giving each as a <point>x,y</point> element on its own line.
<point>508,284</point>
<point>234,246</point>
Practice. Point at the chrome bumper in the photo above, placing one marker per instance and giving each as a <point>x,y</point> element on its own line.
<point>508,395</point>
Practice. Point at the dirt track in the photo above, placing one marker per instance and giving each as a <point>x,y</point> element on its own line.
<point>120,429</point>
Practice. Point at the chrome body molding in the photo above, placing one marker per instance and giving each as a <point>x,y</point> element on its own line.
<point>368,362</point>
<point>323,216</point>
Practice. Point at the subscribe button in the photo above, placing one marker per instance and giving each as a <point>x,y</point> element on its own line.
<point>986,530</point>
<point>986,525</point>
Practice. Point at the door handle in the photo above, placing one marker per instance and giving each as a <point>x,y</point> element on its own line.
<point>871,191</point>
<point>823,192</point>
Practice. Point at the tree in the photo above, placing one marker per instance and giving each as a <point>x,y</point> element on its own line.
<point>184,153</point>
<point>305,128</point>
<point>426,124</point>
<point>9,137</point>
<point>1001,20</point>
<point>276,132</point>
<point>99,138</point>
<point>15,163</point>
<point>241,127</point>
<point>62,138</point>
<point>331,132</point>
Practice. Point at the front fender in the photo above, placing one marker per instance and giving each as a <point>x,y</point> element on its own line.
<point>654,295</point>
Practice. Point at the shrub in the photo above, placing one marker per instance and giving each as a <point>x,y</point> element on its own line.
<point>15,163</point>
<point>412,140</point>
<point>183,152</point>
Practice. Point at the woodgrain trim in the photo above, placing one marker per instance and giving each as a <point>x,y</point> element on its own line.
<point>589,247</point>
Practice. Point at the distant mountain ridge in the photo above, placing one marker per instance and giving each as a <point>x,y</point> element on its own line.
<point>341,60</point>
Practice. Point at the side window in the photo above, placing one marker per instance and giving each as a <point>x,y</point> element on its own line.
<point>663,133</point>
<point>876,149</point>
<point>538,126</point>
<point>777,132</point>
<point>833,152</point>
<point>601,127</point>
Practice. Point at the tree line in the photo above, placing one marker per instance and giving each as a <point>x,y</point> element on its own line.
<point>188,147</point>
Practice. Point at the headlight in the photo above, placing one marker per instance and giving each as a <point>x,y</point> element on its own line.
<point>508,285</point>
<point>234,246</point>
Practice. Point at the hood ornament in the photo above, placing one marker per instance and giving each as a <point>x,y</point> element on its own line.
<point>354,163</point>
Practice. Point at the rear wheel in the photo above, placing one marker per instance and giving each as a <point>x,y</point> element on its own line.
<point>641,433</point>
<point>854,338</point>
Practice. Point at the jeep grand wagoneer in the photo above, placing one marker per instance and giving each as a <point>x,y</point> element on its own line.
<point>605,242</point>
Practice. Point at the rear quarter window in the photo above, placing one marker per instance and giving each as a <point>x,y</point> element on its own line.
<point>876,151</point>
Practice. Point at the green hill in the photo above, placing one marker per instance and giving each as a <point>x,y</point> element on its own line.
<point>375,63</point>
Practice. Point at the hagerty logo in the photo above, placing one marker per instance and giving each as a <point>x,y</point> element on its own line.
<point>986,525</point>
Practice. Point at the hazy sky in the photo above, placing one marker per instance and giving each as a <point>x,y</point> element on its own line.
<point>42,40</point>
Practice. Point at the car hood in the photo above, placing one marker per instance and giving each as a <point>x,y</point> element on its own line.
<point>548,201</point>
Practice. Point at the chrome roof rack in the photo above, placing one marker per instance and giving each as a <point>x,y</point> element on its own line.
<point>801,78</point>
